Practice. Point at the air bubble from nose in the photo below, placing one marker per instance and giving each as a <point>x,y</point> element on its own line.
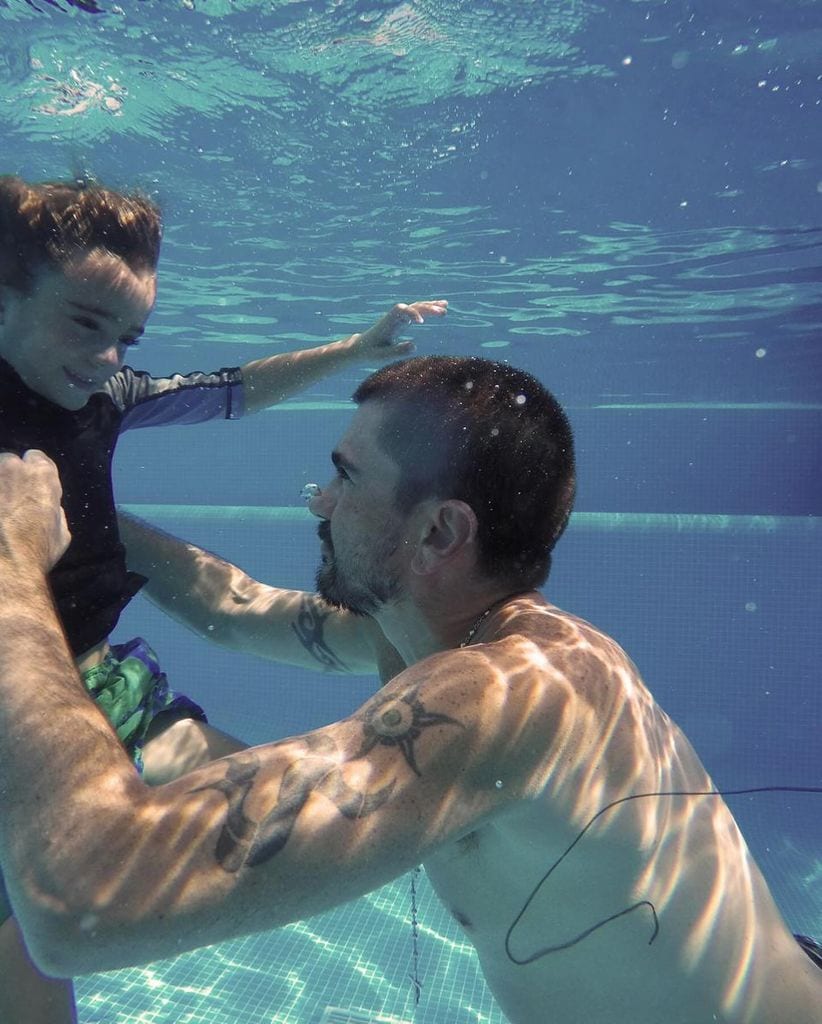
<point>310,491</point>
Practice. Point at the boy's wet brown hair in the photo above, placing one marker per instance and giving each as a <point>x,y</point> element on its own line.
<point>45,225</point>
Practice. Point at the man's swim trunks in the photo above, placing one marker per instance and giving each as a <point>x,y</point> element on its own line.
<point>131,690</point>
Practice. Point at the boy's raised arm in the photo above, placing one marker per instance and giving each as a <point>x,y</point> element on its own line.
<point>275,378</point>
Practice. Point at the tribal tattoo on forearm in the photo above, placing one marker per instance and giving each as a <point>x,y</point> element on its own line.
<point>389,721</point>
<point>309,629</point>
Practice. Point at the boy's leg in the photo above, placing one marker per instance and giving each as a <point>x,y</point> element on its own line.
<point>175,745</point>
<point>164,732</point>
<point>26,995</point>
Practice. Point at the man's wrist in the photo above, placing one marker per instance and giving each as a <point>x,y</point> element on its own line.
<point>22,580</point>
<point>28,620</point>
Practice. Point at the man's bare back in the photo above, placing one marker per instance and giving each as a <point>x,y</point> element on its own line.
<point>588,902</point>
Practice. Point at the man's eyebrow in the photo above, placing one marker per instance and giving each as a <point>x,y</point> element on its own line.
<point>341,462</point>
<point>99,311</point>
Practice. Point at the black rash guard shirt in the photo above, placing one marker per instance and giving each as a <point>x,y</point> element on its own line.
<point>90,583</point>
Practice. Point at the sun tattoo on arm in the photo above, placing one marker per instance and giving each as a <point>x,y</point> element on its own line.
<point>398,722</point>
<point>389,720</point>
<point>309,629</point>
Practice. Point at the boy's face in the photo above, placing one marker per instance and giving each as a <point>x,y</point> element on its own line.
<point>71,331</point>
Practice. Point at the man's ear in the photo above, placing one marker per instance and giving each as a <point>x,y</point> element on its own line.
<point>446,528</point>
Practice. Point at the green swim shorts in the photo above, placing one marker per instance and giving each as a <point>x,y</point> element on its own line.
<point>131,690</point>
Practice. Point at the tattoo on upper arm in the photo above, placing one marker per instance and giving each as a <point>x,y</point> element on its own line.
<point>388,720</point>
<point>398,722</point>
<point>246,842</point>
<point>309,629</point>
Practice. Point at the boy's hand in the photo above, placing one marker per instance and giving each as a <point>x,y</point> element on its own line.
<point>33,530</point>
<point>380,340</point>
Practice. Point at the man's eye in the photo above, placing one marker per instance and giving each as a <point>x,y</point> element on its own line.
<point>341,473</point>
<point>129,342</point>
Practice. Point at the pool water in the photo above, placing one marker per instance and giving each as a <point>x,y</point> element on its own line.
<point>624,199</point>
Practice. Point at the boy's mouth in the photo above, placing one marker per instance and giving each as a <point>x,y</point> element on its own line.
<point>78,381</point>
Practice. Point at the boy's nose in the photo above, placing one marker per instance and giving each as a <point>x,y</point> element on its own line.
<point>109,356</point>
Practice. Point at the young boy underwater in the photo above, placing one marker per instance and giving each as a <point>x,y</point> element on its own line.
<point>78,281</point>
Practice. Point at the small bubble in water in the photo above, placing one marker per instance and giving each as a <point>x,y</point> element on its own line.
<point>750,606</point>
<point>761,353</point>
<point>520,399</point>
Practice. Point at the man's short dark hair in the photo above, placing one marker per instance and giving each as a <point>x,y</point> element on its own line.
<point>487,434</point>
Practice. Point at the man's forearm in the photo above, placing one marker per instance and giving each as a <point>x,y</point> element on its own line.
<point>55,747</point>
<point>186,582</point>
<point>220,602</point>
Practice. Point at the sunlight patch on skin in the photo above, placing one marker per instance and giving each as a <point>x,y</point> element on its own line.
<point>741,978</point>
<point>597,761</point>
<point>700,936</point>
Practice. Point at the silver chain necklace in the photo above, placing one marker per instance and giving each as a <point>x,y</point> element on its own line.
<point>472,632</point>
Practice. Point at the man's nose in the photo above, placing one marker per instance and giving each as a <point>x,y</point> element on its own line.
<point>321,502</point>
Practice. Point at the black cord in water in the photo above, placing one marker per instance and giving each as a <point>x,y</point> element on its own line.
<point>642,903</point>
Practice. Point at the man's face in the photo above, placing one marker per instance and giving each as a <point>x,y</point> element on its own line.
<point>362,532</point>
<point>71,332</point>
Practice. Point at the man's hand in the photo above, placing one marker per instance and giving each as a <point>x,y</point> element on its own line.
<point>33,528</point>
<point>380,340</point>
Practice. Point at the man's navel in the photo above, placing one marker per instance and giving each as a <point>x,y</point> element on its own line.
<point>469,843</point>
<point>461,919</point>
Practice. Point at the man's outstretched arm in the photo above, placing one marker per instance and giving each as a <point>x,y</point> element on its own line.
<point>104,871</point>
<point>220,602</point>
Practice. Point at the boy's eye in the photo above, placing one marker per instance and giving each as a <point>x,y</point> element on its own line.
<point>87,322</point>
<point>341,473</point>
<point>129,342</point>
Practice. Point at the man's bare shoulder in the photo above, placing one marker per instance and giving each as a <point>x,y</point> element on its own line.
<point>527,644</point>
<point>571,678</point>
<point>546,638</point>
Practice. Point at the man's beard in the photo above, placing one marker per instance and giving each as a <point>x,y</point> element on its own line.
<point>365,596</point>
